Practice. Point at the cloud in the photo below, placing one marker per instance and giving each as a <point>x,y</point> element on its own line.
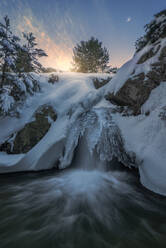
<point>59,54</point>
<point>128,19</point>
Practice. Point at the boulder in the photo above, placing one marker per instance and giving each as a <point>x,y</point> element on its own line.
<point>25,139</point>
<point>136,90</point>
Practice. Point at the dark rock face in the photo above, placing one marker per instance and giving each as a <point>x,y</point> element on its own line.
<point>32,132</point>
<point>98,83</point>
<point>137,89</point>
<point>163,54</point>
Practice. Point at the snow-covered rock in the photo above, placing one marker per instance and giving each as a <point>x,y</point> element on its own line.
<point>136,79</point>
<point>140,87</point>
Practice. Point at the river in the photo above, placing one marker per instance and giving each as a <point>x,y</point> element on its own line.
<point>77,208</point>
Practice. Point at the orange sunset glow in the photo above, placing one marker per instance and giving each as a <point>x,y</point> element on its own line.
<point>59,55</point>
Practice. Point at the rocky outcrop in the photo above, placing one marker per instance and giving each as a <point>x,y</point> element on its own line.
<point>32,133</point>
<point>137,88</point>
<point>145,71</point>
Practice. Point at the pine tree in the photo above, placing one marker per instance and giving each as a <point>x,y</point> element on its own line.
<point>20,59</point>
<point>154,30</point>
<point>9,45</point>
<point>90,56</point>
<point>23,63</point>
<point>32,53</point>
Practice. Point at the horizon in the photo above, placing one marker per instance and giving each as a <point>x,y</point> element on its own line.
<point>60,25</point>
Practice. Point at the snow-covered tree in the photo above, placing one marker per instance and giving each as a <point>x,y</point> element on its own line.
<point>20,59</point>
<point>90,56</point>
<point>9,45</point>
<point>154,30</point>
<point>32,52</point>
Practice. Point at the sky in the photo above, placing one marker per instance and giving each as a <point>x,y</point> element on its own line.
<point>60,24</point>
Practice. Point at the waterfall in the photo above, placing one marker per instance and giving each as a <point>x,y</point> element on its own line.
<point>90,204</point>
<point>96,140</point>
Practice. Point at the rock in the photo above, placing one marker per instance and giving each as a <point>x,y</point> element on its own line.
<point>163,54</point>
<point>136,89</point>
<point>148,55</point>
<point>100,82</point>
<point>162,113</point>
<point>133,94</point>
<point>53,79</point>
<point>32,133</point>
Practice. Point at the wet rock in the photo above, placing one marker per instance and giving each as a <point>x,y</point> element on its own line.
<point>24,140</point>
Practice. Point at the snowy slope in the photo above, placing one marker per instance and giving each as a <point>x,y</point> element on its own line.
<point>72,95</point>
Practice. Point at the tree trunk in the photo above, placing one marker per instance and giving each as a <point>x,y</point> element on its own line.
<point>3,75</point>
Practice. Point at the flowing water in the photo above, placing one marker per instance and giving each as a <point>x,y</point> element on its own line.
<point>78,208</point>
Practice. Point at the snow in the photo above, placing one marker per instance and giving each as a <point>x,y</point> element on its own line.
<point>6,100</point>
<point>147,138</point>
<point>72,95</point>
<point>145,135</point>
<point>83,113</point>
<point>131,68</point>
<point>156,99</point>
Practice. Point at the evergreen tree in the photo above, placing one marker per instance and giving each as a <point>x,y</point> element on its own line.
<point>90,56</point>
<point>31,54</point>
<point>17,58</point>
<point>154,30</point>
<point>23,63</point>
<point>9,45</point>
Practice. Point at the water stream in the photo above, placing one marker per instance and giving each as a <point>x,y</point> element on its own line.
<point>78,208</point>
